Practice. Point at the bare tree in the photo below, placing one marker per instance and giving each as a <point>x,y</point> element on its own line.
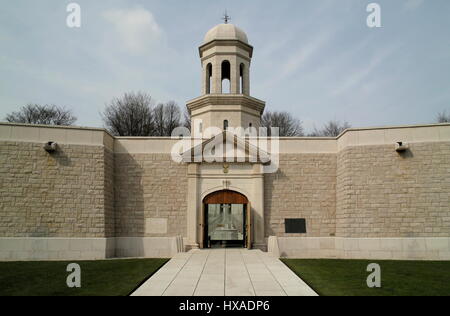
<point>331,129</point>
<point>158,113</point>
<point>130,115</point>
<point>187,120</point>
<point>167,118</point>
<point>42,114</point>
<point>288,125</point>
<point>443,117</point>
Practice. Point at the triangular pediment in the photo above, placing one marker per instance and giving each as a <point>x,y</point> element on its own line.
<point>227,147</point>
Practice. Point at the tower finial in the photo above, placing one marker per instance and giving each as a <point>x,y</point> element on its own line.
<point>226,17</point>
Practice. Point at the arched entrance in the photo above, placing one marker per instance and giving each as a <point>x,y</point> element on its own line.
<point>226,220</point>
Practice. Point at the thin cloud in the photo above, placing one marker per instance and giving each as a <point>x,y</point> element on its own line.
<point>137,28</point>
<point>299,59</point>
<point>357,78</point>
<point>413,4</point>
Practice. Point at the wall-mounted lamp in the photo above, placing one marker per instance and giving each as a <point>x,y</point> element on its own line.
<point>401,147</point>
<point>50,147</point>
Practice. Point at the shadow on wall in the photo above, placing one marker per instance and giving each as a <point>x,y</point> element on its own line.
<point>256,220</point>
<point>40,231</point>
<point>55,160</point>
<point>269,189</point>
<point>129,206</point>
<point>109,212</point>
<point>61,157</point>
<point>81,173</point>
<point>406,154</point>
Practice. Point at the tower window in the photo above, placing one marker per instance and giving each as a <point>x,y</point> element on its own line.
<point>225,125</point>
<point>226,77</point>
<point>208,78</point>
<point>241,78</point>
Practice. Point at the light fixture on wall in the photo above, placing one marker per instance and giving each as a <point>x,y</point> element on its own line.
<point>50,147</point>
<point>401,147</point>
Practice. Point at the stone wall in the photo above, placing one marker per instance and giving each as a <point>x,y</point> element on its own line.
<point>100,196</point>
<point>303,187</point>
<point>150,196</point>
<point>419,248</point>
<point>381,193</point>
<point>53,195</point>
<point>109,193</point>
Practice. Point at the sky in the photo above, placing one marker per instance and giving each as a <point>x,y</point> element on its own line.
<point>317,59</point>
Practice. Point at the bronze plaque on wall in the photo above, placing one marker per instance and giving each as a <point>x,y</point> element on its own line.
<point>295,225</point>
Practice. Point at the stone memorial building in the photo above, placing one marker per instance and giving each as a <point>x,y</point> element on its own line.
<point>82,193</point>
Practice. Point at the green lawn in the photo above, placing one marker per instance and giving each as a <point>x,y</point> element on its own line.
<point>398,278</point>
<point>98,278</point>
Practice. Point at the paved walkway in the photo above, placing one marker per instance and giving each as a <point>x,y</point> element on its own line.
<point>224,272</point>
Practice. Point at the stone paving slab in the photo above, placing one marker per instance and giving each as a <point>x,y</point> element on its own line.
<point>224,272</point>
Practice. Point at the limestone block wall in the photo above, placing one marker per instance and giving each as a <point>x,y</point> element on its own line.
<point>150,195</point>
<point>56,248</point>
<point>303,187</point>
<point>419,248</point>
<point>383,194</point>
<point>57,195</point>
<point>109,193</point>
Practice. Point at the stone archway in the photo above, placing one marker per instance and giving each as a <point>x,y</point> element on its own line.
<point>226,220</point>
<point>205,179</point>
<point>225,197</point>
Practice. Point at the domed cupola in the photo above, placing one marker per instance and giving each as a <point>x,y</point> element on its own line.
<point>225,102</point>
<point>225,32</point>
<point>226,56</point>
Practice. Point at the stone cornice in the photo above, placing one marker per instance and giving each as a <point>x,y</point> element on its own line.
<point>230,109</point>
<point>252,153</point>
<point>68,127</point>
<point>237,43</point>
<point>225,54</point>
<point>227,99</point>
<point>375,136</point>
